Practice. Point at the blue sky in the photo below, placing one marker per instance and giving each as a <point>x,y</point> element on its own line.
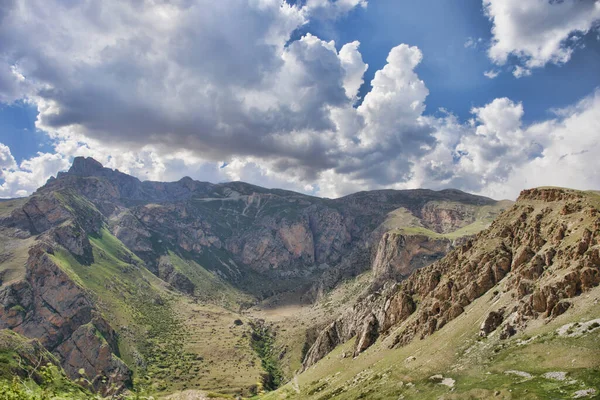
<point>453,72</point>
<point>242,90</point>
<point>18,131</point>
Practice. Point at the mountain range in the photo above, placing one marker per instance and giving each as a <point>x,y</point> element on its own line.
<point>189,288</point>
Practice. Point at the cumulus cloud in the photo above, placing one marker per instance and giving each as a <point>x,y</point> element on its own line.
<point>215,77</point>
<point>7,161</point>
<point>354,68</point>
<point>19,181</point>
<point>568,145</point>
<point>218,79</point>
<point>217,91</point>
<point>538,31</point>
<point>496,155</point>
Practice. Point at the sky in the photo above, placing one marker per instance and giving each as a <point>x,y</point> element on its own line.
<point>326,97</point>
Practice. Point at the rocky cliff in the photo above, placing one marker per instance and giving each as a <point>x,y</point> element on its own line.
<point>247,233</point>
<point>93,236</point>
<point>545,249</point>
<point>398,255</point>
<point>49,305</point>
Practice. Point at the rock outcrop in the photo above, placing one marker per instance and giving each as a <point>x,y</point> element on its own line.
<point>168,273</point>
<point>50,307</point>
<point>399,254</point>
<point>265,241</point>
<point>546,249</point>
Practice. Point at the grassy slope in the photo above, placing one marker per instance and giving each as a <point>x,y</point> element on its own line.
<point>210,288</point>
<point>477,365</point>
<point>13,251</point>
<point>402,221</point>
<point>184,345</point>
<point>171,341</point>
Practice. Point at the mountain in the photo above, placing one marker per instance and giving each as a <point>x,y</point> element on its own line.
<point>512,313</point>
<point>172,287</point>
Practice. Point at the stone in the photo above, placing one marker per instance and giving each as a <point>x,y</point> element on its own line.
<point>491,322</point>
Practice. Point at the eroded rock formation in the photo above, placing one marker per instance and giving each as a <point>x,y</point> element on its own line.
<point>546,249</point>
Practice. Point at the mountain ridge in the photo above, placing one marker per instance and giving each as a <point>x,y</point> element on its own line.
<point>135,258</point>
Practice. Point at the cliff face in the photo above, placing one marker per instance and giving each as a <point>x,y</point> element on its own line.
<point>241,230</point>
<point>49,306</point>
<point>264,241</point>
<point>398,255</point>
<point>546,249</point>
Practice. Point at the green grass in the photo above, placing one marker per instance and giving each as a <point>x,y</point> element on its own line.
<point>210,288</point>
<point>477,365</point>
<point>131,297</point>
<point>169,341</point>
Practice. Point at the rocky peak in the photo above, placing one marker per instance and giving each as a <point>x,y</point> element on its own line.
<point>85,166</point>
<point>549,194</point>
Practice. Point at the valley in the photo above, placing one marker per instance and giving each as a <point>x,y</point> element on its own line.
<point>183,289</point>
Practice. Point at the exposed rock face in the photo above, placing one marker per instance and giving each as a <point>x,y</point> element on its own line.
<point>399,254</point>
<point>167,272</point>
<point>38,214</point>
<point>88,348</point>
<point>367,334</point>
<point>443,218</point>
<point>243,233</point>
<point>49,306</point>
<point>491,322</point>
<point>238,229</point>
<point>546,256</point>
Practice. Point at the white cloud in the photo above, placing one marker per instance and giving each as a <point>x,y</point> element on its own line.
<point>520,72</point>
<point>397,97</point>
<point>538,31</point>
<point>163,91</point>
<point>492,73</point>
<point>569,147</point>
<point>7,161</point>
<point>30,174</point>
<point>354,68</point>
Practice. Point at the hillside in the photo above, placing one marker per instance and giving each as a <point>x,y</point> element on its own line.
<point>166,287</point>
<point>512,313</point>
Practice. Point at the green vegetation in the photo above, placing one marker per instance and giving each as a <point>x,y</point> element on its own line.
<point>209,287</point>
<point>171,342</point>
<point>132,296</point>
<point>477,367</point>
<point>262,341</point>
<point>51,384</point>
<point>29,372</point>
